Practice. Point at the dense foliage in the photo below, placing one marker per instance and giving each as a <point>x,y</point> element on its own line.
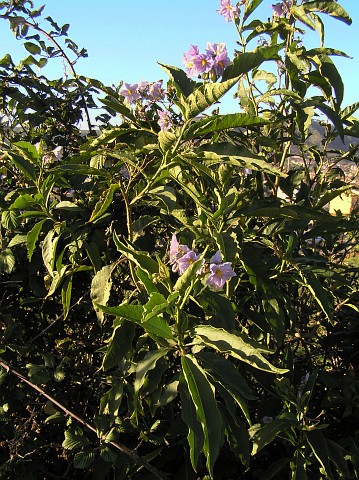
<point>176,300</point>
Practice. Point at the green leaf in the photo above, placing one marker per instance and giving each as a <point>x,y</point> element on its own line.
<point>329,71</point>
<point>66,293</point>
<point>299,12</point>
<point>331,194</point>
<point>203,396</point>
<point>74,438</point>
<point>141,259</point>
<point>269,432</point>
<point>298,466</point>
<point>186,279</point>
<point>131,312</point>
<point>32,237</point>
<point>329,7</point>
<point>119,345</point>
<point>275,469</point>
<point>237,157</point>
<point>250,7</point>
<point>24,166</point>
<point>205,96</point>
<point>318,291</point>
<point>222,122</point>
<point>195,435</point>
<point>245,62</point>
<point>9,219</point>
<point>118,107</point>
<point>237,346</point>
<point>183,85</point>
<point>227,374</point>
<point>32,48</point>
<point>319,447</point>
<point>158,327</point>
<point>104,202</point>
<point>144,366</point>
<point>166,140</point>
<point>7,261</point>
<point>100,289</point>
<point>85,459</point>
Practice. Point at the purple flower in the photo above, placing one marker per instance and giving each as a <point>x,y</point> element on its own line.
<point>228,11</point>
<point>176,252</point>
<point>217,258</point>
<point>129,91</point>
<point>151,91</point>
<point>218,53</point>
<point>281,9</point>
<point>220,273</point>
<point>186,261</point>
<point>165,121</point>
<point>203,63</point>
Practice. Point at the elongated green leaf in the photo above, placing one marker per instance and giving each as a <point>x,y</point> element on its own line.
<point>32,237</point>
<point>195,435</point>
<point>245,62</point>
<point>203,396</point>
<point>9,219</point>
<point>118,107</point>
<point>269,432</point>
<point>28,151</point>
<point>331,194</point>
<point>298,466</point>
<point>141,259</point>
<point>104,202</point>
<point>274,470</point>
<point>225,372</point>
<point>184,85</point>
<point>166,140</point>
<point>49,250</point>
<point>66,292</point>
<point>330,72</point>
<point>319,447</point>
<point>319,293</point>
<point>119,345</point>
<point>329,7</point>
<point>185,280</point>
<point>237,346</point>
<point>238,157</point>
<point>250,7</point>
<point>205,96</point>
<point>131,312</point>
<point>100,288</point>
<point>24,166</point>
<point>300,13</point>
<point>144,366</point>
<point>158,327</point>
<point>222,122</point>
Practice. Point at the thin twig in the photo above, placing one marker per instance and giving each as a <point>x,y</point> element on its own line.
<point>122,448</point>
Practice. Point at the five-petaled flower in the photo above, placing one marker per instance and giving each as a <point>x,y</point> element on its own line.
<point>281,9</point>
<point>176,252</point>
<point>228,11</point>
<point>187,260</point>
<point>130,92</point>
<point>220,273</point>
<point>213,61</point>
<point>165,121</point>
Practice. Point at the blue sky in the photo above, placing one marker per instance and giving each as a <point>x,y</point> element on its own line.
<point>125,39</point>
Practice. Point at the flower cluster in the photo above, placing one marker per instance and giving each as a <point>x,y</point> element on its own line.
<point>228,11</point>
<point>281,9</point>
<point>211,63</point>
<point>149,92</point>
<point>182,257</point>
<point>54,155</point>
